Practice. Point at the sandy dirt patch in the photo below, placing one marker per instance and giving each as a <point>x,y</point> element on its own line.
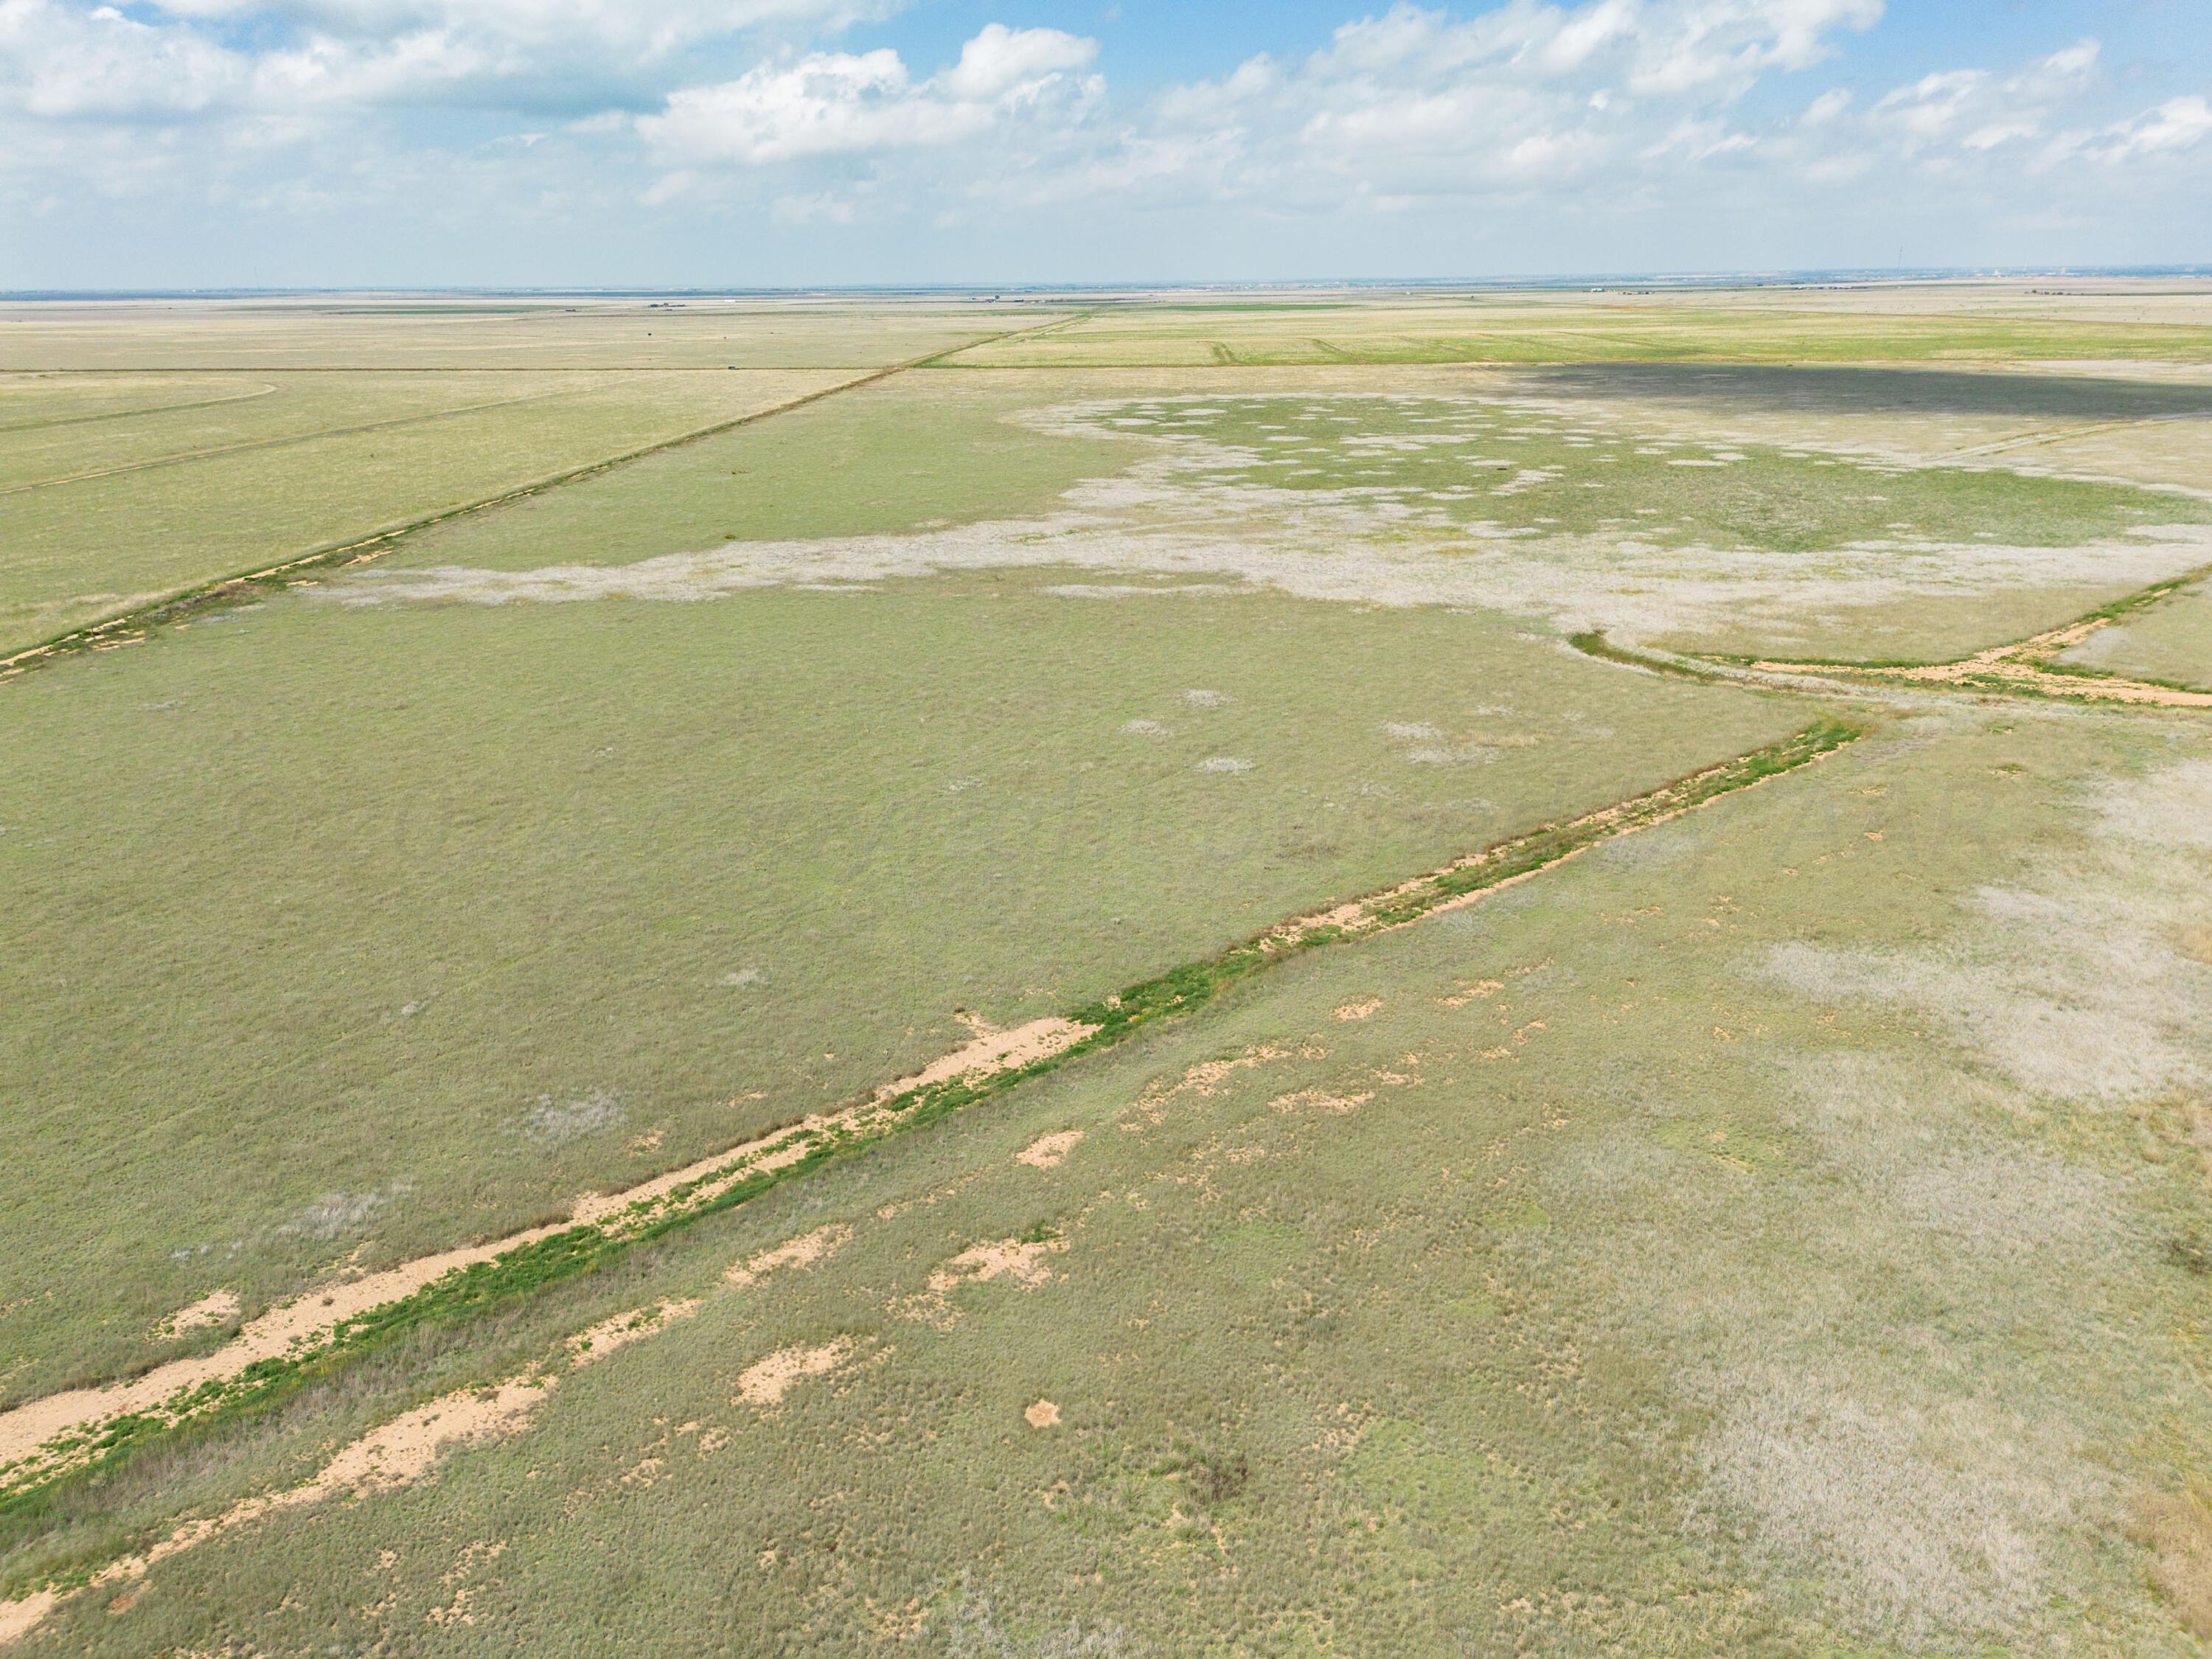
<point>588,1347</point>
<point>765,1383</point>
<point>1321,1100</point>
<point>801,1252</point>
<point>1048,1151</point>
<point>1205,1080</point>
<point>28,1426</point>
<point>1363,1009</point>
<point>403,1450</point>
<point>1023,1261</point>
<point>18,1618</point>
<point>993,1051</point>
<point>216,1307</point>
<point>1476,992</point>
<point>1041,1415</point>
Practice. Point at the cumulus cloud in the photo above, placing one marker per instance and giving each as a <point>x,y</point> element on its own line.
<point>658,27</point>
<point>1618,101</point>
<point>1418,103</point>
<point>66,62</point>
<point>2179,123</point>
<point>64,59</point>
<point>838,103</point>
<point>1000,61</point>
<point>1977,110</point>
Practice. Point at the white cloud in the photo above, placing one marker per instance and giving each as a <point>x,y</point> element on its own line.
<point>2178,124</point>
<point>824,103</point>
<point>1417,104</point>
<point>632,26</point>
<point>837,103</point>
<point>1001,60</point>
<point>65,59</point>
<point>1981,110</point>
<point>68,63</point>
<point>1828,106</point>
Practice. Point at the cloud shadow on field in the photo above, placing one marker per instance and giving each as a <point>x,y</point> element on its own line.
<point>1781,389</point>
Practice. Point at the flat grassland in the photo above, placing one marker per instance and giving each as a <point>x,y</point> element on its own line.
<point>1779,1224</point>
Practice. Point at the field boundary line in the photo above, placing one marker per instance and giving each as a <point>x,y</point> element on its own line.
<point>127,627</point>
<point>186,457</point>
<point>129,413</point>
<point>81,1432</point>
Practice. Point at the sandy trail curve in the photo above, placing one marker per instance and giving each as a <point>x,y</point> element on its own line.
<point>2016,666</point>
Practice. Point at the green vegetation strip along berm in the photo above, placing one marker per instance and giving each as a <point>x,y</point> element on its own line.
<point>27,1486</point>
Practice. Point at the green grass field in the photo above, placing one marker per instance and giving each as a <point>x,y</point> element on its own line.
<point>1511,329</point>
<point>356,896</point>
<point>100,517</point>
<point>1781,1230</point>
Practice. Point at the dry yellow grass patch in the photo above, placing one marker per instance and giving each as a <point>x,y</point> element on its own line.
<point>2177,1528</point>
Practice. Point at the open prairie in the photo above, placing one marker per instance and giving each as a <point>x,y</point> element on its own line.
<point>1333,972</point>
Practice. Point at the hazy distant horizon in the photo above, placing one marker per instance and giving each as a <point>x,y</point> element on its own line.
<point>1684,279</point>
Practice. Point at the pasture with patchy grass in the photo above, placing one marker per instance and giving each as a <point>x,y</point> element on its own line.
<point>1121,974</point>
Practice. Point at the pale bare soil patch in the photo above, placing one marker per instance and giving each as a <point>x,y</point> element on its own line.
<point>1050,1151</point>
<point>29,1427</point>
<point>2066,980</point>
<point>1175,515</point>
<point>1323,1100</point>
<point>1022,1262</point>
<point>1204,1081</point>
<point>765,1383</point>
<point>801,1252</point>
<point>216,1307</point>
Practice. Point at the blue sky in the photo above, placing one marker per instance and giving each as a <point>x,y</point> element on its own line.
<point>758,142</point>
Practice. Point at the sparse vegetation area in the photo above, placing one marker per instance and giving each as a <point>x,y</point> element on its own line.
<point>1441,1164</point>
